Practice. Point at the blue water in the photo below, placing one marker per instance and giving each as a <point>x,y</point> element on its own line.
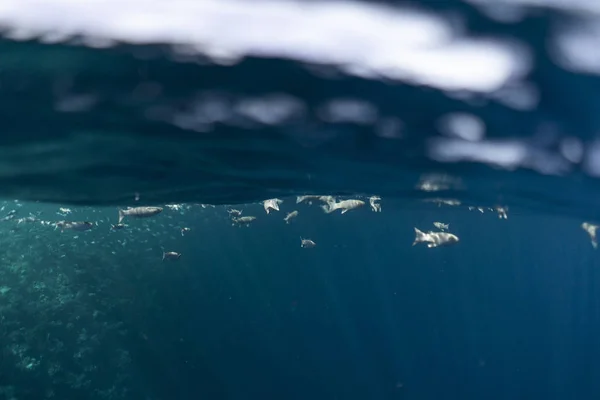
<point>88,125</point>
<point>510,312</point>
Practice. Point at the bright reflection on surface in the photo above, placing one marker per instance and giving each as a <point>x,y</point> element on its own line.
<point>365,39</point>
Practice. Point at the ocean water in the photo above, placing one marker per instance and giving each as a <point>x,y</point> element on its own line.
<point>104,102</point>
<point>511,311</point>
<point>478,114</point>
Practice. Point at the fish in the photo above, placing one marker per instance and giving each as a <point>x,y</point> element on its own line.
<point>272,204</point>
<point>373,202</point>
<point>290,216</point>
<point>139,212</point>
<point>435,239</point>
<point>118,226</point>
<point>31,218</point>
<point>327,199</point>
<point>344,205</point>
<point>311,197</point>
<point>591,230</point>
<point>307,243</point>
<point>11,215</point>
<point>448,202</point>
<point>171,255</point>
<point>243,220</point>
<point>79,226</point>
<point>480,209</point>
<point>234,213</point>
<point>441,226</point>
<point>185,230</point>
<point>502,212</point>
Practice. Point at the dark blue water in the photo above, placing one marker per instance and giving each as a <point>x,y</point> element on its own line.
<point>106,105</point>
<point>513,312</point>
<point>510,312</point>
<point>143,118</point>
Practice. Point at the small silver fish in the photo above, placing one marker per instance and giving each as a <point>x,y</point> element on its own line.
<point>307,243</point>
<point>139,212</point>
<point>11,215</point>
<point>243,220</point>
<point>171,255</point>
<point>185,230</point>
<point>31,218</point>
<point>344,205</point>
<point>272,204</point>
<point>441,226</point>
<point>234,213</point>
<point>591,230</point>
<point>79,226</point>
<point>313,197</point>
<point>327,199</point>
<point>435,239</point>
<point>290,216</point>
<point>118,226</point>
<point>373,202</point>
<point>502,212</point>
<point>448,202</point>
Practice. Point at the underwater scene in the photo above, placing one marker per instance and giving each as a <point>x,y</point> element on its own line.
<point>307,297</point>
<point>283,199</point>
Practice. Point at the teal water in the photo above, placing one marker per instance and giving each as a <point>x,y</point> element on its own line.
<point>220,104</point>
<point>512,311</point>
